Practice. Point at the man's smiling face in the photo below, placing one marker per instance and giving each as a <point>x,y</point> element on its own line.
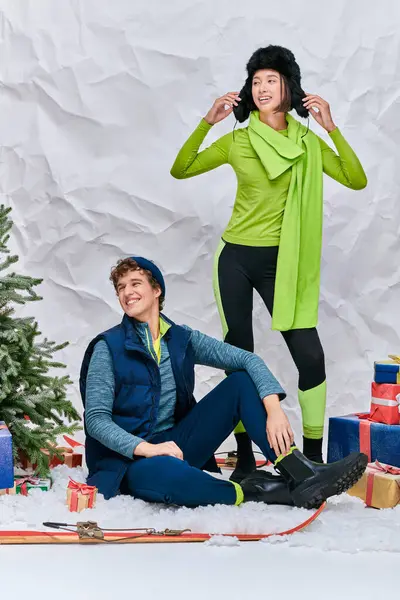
<point>136,295</point>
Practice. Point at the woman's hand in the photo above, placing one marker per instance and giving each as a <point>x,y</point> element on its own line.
<point>323,116</point>
<point>279,432</point>
<point>218,111</point>
<point>165,449</point>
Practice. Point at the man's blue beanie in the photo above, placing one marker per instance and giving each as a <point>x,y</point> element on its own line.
<point>144,263</point>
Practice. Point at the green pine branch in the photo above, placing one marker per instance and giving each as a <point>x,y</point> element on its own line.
<point>33,400</point>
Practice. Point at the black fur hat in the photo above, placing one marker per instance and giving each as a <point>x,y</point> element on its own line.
<point>279,59</point>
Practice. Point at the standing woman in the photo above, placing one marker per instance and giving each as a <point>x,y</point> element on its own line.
<point>273,240</point>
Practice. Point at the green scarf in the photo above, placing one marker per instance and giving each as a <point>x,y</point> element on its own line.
<point>298,269</point>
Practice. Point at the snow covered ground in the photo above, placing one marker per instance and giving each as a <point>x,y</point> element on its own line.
<point>252,571</point>
<point>347,552</point>
<point>345,525</point>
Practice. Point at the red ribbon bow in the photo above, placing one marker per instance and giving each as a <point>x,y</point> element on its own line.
<point>384,468</point>
<point>374,469</point>
<point>80,488</point>
<point>84,488</point>
<point>73,443</point>
<point>23,481</point>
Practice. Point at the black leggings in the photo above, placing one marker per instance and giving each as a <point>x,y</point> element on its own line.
<point>239,270</point>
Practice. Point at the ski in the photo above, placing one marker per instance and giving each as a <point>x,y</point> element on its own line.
<point>88,532</point>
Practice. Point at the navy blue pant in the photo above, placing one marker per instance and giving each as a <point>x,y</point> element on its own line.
<point>173,481</point>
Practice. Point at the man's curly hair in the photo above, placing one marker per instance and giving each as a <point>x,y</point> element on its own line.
<point>125,265</point>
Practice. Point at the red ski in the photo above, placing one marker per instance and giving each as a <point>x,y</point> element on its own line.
<point>90,533</point>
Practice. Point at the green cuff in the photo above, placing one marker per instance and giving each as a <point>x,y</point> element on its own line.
<point>336,133</point>
<point>282,456</point>
<point>313,433</point>
<point>204,125</point>
<point>239,493</point>
<point>313,404</point>
<point>239,428</point>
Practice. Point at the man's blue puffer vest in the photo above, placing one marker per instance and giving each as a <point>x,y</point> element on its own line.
<point>137,395</point>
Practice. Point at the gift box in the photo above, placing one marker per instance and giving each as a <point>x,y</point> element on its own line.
<point>357,433</point>
<point>22,485</point>
<point>80,496</point>
<point>6,457</point>
<point>69,456</point>
<point>11,491</point>
<point>387,371</point>
<point>379,486</point>
<point>385,403</point>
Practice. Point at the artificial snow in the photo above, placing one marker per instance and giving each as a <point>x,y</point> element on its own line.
<point>345,525</point>
<point>223,540</point>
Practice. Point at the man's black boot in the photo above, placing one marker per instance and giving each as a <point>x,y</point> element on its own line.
<point>262,486</point>
<point>310,483</point>
<point>246,463</point>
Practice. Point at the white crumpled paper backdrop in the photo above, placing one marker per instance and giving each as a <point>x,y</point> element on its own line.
<point>96,99</point>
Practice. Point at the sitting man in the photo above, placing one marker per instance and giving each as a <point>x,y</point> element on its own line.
<point>145,433</point>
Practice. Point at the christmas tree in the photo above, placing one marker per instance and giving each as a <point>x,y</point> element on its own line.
<point>33,403</point>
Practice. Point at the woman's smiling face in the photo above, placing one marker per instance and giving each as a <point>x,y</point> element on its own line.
<point>267,90</point>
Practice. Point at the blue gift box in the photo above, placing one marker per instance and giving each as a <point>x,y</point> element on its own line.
<point>344,438</point>
<point>387,372</point>
<point>6,458</point>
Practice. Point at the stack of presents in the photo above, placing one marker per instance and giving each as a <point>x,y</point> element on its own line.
<point>78,495</point>
<point>377,434</point>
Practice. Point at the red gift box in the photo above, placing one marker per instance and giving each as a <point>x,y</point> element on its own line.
<point>69,456</point>
<point>385,403</point>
